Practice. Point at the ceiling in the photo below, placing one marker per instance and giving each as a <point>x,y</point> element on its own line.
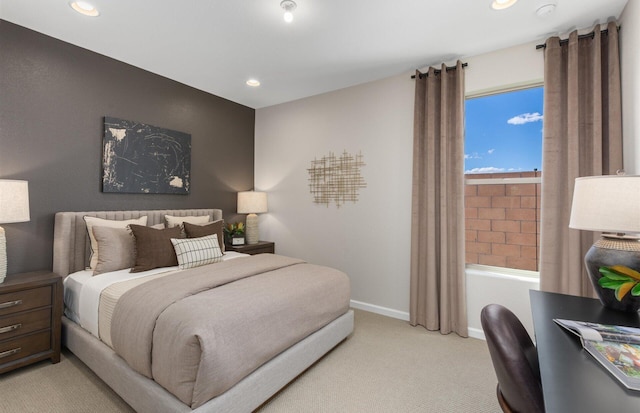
<point>217,45</point>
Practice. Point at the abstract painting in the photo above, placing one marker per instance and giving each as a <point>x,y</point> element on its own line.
<point>144,159</point>
<point>336,179</point>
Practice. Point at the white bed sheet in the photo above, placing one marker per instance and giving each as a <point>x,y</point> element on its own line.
<point>82,291</point>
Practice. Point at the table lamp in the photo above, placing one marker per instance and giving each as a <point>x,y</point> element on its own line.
<point>252,203</point>
<point>611,205</point>
<point>14,207</point>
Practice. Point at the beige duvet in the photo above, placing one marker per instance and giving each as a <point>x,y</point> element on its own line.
<point>198,332</point>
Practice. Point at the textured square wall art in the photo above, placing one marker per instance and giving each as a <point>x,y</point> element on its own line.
<point>336,179</point>
<point>144,159</point>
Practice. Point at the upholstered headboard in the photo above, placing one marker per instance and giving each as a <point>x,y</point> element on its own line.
<point>71,246</point>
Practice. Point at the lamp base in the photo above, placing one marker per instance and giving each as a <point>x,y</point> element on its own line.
<point>3,255</point>
<point>251,231</point>
<point>607,253</point>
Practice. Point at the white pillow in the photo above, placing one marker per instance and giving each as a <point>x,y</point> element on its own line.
<point>99,222</point>
<point>194,252</point>
<point>175,221</point>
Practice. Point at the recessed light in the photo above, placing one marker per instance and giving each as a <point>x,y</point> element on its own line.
<point>85,8</point>
<point>253,82</point>
<point>502,4</point>
<point>289,6</point>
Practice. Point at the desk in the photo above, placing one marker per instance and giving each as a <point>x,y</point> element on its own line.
<point>572,380</point>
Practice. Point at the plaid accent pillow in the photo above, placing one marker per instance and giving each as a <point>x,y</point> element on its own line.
<point>194,252</point>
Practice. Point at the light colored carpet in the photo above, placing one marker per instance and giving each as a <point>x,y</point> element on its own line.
<point>384,366</point>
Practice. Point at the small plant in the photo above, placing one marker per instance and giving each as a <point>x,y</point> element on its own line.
<point>234,229</point>
<point>622,279</point>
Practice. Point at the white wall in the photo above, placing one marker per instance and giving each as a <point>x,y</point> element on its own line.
<point>630,61</point>
<point>369,240</point>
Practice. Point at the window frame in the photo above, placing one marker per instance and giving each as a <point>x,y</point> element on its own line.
<point>529,274</point>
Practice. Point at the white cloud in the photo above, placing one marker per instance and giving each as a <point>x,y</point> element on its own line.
<point>484,170</point>
<point>472,156</point>
<point>525,118</point>
<point>491,151</point>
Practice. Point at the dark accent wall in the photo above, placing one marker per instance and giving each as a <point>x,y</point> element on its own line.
<point>53,97</point>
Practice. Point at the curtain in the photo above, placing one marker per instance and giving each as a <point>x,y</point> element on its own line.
<point>582,137</point>
<point>438,296</point>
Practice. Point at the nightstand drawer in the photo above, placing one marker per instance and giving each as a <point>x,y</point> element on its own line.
<point>24,323</point>
<point>262,250</point>
<point>30,319</point>
<point>24,346</point>
<point>25,300</point>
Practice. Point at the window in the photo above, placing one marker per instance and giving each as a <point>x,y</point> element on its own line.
<point>503,161</point>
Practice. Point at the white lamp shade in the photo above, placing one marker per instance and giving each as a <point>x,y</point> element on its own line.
<point>252,202</point>
<point>14,201</point>
<point>606,203</point>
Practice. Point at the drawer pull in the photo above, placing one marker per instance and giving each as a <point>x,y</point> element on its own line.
<point>10,304</point>
<point>10,352</point>
<point>10,328</point>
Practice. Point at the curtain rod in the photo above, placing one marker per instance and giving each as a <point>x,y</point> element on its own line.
<point>581,36</point>
<point>438,71</point>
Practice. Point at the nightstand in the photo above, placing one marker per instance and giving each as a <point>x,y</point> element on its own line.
<point>30,319</point>
<point>260,247</point>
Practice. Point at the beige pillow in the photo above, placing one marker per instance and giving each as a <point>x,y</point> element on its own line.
<point>176,221</point>
<point>99,222</point>
<point>116,249</point>
<point>154,248</point>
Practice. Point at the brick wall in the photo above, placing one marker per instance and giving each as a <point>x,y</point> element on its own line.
<point>502,222</point>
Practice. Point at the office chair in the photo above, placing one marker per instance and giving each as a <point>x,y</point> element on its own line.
<point>515,360</point>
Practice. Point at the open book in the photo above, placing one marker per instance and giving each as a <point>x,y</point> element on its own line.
<point>617,348</point>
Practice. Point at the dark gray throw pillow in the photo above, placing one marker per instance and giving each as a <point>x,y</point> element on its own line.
<point>154,248</point>
<point>198,231</point>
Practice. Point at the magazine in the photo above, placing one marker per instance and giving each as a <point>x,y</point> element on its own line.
<point>617,348</point>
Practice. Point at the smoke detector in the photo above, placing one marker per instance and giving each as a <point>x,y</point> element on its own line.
<point>546,8</point>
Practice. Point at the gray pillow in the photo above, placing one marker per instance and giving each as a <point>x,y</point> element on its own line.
<point>116,249</point>
<point>100,222</point>
<point>177,221</point>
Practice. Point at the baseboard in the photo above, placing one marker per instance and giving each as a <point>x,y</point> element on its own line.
<point>372,308</point>
<point>401,315</point>
<point>476,333</point>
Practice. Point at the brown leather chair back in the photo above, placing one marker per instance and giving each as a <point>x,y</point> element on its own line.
<point>515,360</point>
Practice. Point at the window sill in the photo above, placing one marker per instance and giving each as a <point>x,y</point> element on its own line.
<point>500,272</point>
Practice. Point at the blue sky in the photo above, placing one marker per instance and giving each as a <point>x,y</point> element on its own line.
<point>504,132</point>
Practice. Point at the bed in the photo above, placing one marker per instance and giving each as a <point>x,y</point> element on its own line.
<point>239,387</point>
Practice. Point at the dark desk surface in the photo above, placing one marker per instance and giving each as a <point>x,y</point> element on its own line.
<point>572,380</point>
